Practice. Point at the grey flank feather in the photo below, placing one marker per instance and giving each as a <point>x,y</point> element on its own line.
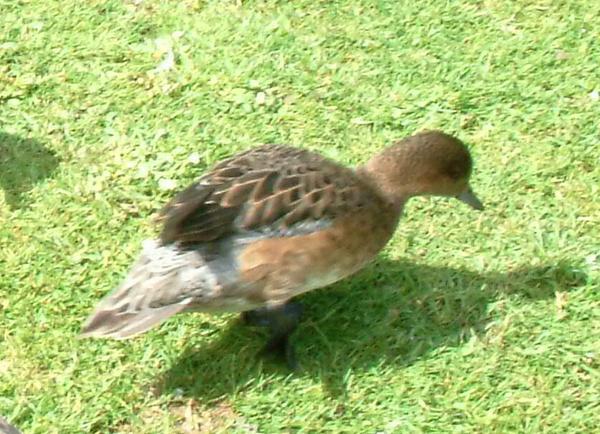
<point>164,281</point>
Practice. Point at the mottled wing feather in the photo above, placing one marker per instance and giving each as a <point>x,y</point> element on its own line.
<point>269,188</point>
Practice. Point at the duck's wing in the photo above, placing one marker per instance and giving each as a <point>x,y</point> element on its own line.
<point>274,189</point>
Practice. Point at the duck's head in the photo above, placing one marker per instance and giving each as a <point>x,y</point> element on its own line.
<point>428,163</point>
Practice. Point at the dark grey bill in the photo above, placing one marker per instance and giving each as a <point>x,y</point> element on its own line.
<point>469,198</point>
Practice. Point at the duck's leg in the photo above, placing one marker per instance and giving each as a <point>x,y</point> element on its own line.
<point>281,320</point>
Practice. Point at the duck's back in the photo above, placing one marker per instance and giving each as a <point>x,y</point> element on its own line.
<point>272,189</point>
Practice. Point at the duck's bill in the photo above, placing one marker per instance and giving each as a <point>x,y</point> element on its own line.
<point>470,199</point>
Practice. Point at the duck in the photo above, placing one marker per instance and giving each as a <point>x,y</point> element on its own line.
<point>6,428</point>
<point>271,223</point>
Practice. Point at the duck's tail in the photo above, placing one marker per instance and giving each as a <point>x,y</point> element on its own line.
<point>164,281</point>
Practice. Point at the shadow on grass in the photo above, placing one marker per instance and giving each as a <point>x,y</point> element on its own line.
<point>23,163</point>
<point>393,312</point>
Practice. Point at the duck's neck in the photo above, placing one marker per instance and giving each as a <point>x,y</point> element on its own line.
<point>393,197</point>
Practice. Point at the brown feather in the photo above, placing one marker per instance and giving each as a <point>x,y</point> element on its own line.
<point>270,187</point>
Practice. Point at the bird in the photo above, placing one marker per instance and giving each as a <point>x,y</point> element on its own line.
<point>6,428</point>
<point>271,223</point>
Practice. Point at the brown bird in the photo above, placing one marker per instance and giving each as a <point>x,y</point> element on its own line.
<point>272,223</point>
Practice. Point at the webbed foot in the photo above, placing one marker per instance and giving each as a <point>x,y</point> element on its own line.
<point>282,321</point>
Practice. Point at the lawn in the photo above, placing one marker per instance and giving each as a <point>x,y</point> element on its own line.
<point>466,323</point>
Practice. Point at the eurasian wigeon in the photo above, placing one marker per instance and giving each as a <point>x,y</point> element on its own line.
<point>271,223</point>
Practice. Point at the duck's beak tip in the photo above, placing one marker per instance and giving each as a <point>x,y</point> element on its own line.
<point>470,199</point>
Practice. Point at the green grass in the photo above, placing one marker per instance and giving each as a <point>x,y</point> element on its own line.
<point>467,323</point>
